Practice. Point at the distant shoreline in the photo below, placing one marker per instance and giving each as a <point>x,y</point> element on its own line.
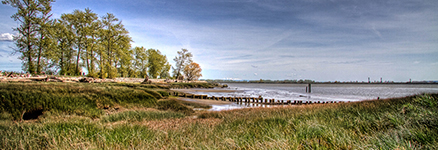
<point>426,82</point>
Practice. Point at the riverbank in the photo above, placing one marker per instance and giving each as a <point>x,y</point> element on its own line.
<point>41,115</point>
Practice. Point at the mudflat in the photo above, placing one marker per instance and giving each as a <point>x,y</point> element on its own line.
<point>205,101</point>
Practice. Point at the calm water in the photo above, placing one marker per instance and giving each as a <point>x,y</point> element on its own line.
<point>325,92</point>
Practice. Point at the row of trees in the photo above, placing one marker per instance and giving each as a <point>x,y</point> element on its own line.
<point>82,40</point>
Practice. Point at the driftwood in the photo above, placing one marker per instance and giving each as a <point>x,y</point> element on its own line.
<point>146,81</point>
<point>53,79</point>
<point>89,80</point>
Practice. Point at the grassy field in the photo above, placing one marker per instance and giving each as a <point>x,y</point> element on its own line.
<point>152,122</point>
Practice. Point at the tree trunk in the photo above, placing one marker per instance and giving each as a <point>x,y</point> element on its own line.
<point>40,49</point>
<point>77,59</point>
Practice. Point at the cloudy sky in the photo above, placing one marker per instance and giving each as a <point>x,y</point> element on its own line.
<point>322,40</point>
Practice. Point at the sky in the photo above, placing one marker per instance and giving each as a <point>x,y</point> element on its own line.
<point>321,40</point>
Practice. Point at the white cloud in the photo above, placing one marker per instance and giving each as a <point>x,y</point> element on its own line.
<point>6,37</point>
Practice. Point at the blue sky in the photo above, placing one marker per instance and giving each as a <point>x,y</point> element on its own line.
<point>322,40</point>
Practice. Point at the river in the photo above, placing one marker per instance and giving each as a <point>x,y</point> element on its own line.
<point>322,92</point>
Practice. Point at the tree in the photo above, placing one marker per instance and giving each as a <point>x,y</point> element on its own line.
<point>90,44</point>
<point>140,62</point>
<point>44,41</point>
<point>63,54</point>
<point>115,41</point>
<point>82,24</point>
<point>184,57</point>
<point>165,71</point>
<point>156,62</point>
<point>192,71</point>
<point>29,13</point>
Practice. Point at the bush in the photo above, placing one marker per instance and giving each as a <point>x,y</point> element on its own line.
<point>164,93</point>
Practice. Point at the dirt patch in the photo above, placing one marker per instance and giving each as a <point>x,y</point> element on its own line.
<point>33,114</point>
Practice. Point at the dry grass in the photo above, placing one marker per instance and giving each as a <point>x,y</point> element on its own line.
<point>177,124</point>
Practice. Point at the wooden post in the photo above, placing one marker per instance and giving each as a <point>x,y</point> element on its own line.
<point>310,88</point>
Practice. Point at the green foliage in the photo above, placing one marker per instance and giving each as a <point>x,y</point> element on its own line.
<point>32,40</point>
<point>140,62</point>
<point>80,40</point>
<point>157,63</point>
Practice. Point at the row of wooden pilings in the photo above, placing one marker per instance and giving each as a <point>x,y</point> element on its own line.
<point>258,100</point>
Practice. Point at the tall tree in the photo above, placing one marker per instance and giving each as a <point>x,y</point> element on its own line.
<point>193,71</point>
<point>80,23</point>
<point>164,74</point>
<point>115,40</point>
<point>140,61</point>
<point>123,56</point>
<point>29,12</point>
<point>44,41</point>
<point>92,26</point>
<point>156,62</point>
<point>63,56</point>
<point>184,57</point>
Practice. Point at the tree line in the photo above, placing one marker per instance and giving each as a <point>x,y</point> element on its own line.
<point>81,40</point>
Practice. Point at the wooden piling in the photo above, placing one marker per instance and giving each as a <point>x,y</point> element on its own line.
<point>310,88</point>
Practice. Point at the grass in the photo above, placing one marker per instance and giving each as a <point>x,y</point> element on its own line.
<point>399,123</point>
<point>75,98</point>
<point>174,105</point>
<point>132,116</point>
<point>195,104</point>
